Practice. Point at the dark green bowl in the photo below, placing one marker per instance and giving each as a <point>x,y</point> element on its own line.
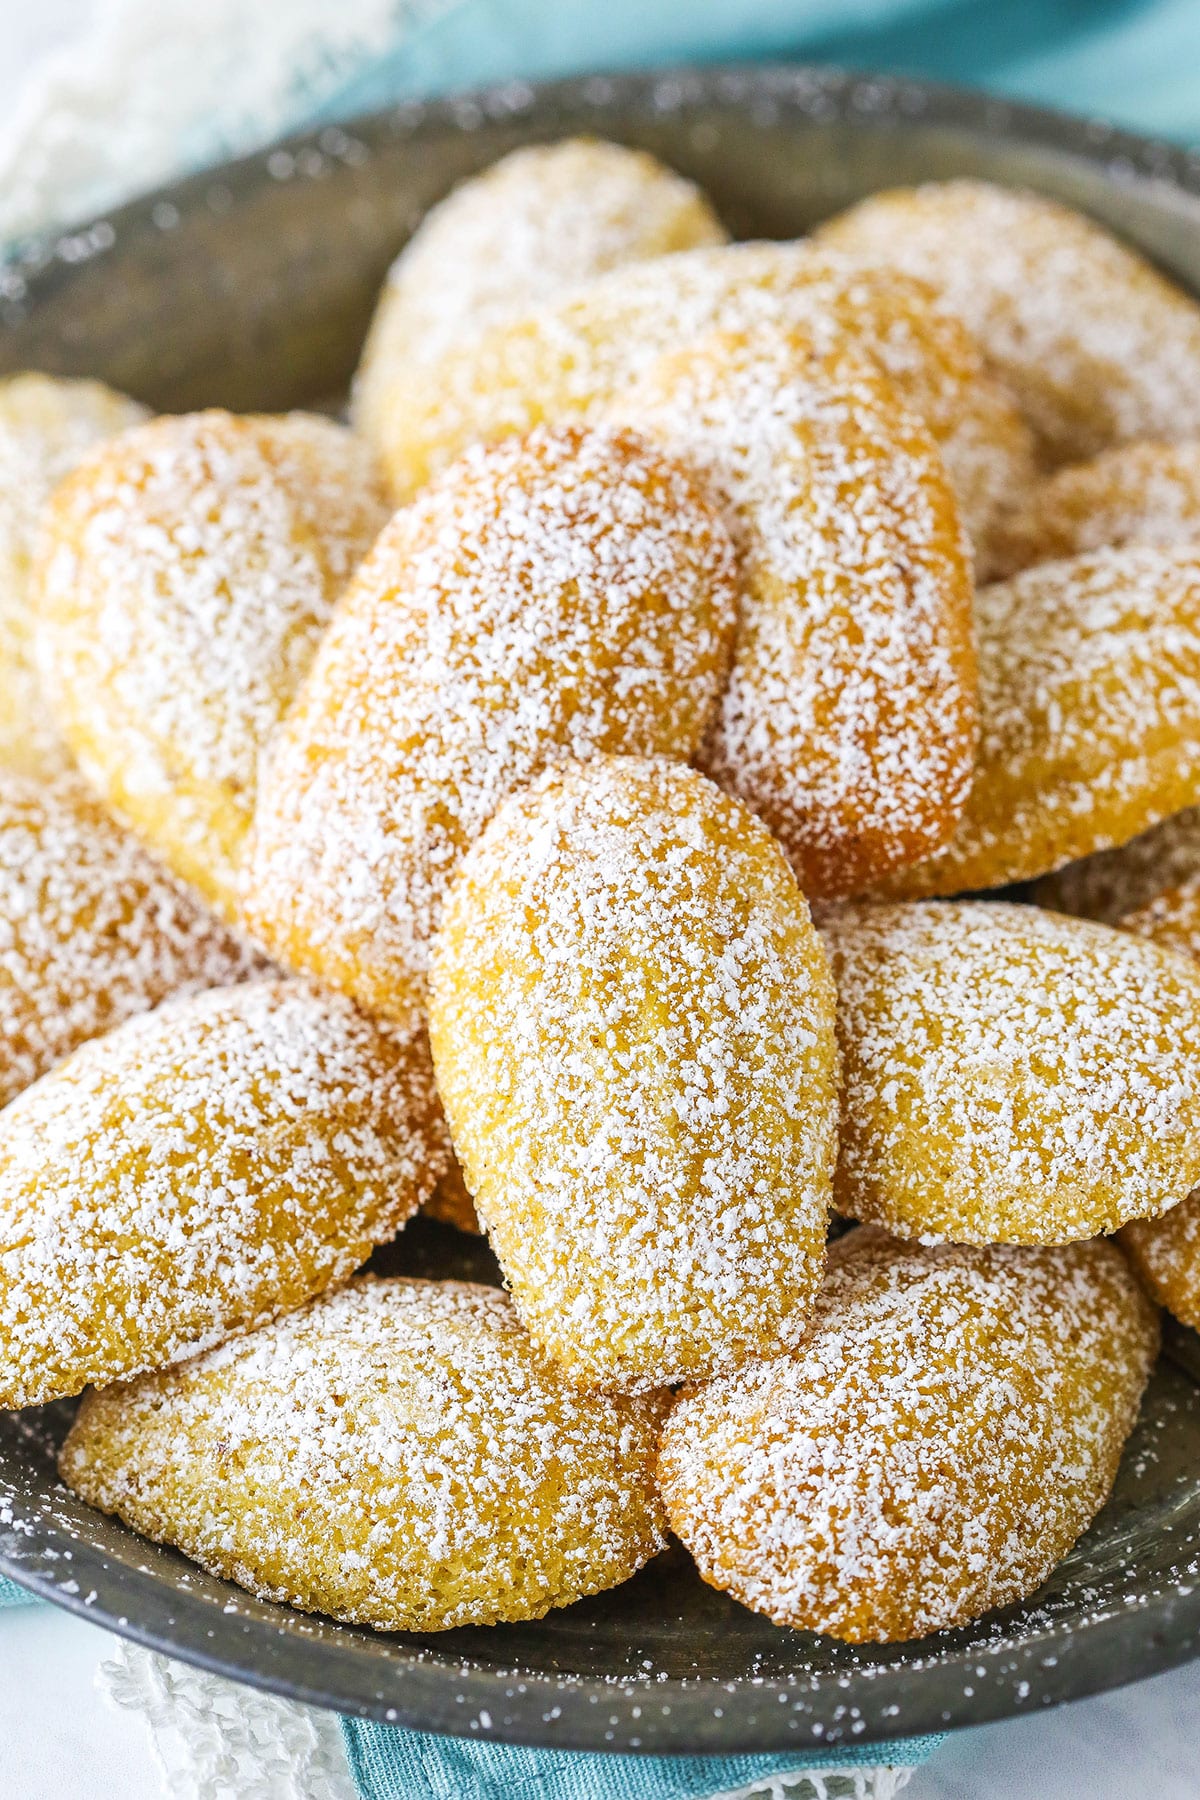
<point>251,286</point>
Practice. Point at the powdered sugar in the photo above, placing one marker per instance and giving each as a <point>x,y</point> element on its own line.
<point>848,722</point>
<point>677,1260</point>
<point>1089,706</point>
<point>566,596</point>
<point>1166,1254</point>
<point>92,929</point>
<point>1172,918</point>
<point>397,1453</point>
<point>538,221</point>
<point>1097,346</point>
<point>46,427</point>
<point>1113,883</point>
<point>951,1423</point>
<point>187,573</point>
<point>632,1029</point>
<point>579,354</point>
<point>1144,493</point>
<point>1010,1075</point>
<point>195,1172</point>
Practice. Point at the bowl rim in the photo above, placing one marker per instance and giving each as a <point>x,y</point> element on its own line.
<point>1037,1665</point>
<point>871,97</point>
<point>1047,1665</point>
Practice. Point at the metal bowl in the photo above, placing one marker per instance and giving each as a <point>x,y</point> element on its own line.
<point>251,286</point>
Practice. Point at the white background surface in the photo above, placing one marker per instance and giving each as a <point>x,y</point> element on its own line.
<point>60,1740</point>
<point>29,29</point>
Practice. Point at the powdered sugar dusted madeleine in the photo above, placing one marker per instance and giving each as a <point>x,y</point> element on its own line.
<point>451,1203</point>
<point>197,1171</point>
<point>1010,1075</point>
<point>576,355</point>
<point>632,1025</point>
<point>46,426</point>
<point>398,1454</point>
<point>950,1426</point>
<point>1150,885</point>
<point>1097,346</point>
<point>1144,493</point>
<point>568,594</point>
<point>1115,883</point>
<point>1171,918</point>
<point>1166,1254</point>
<point>539,220</point>
<point>1089,711</point>
<point>849,720</point>
<point>186,572</point>
<point>92,928</point>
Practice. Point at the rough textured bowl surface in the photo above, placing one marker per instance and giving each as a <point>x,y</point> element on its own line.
<point>251,286</point>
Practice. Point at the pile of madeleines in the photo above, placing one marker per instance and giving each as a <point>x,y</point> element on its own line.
<point>426,813</point>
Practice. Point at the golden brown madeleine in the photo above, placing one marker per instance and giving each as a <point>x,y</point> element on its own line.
<point>1166,1251</point>
<point>1089,715</point>
<point>1171,917</point>
<point>186,572</point>
<point>950,1426</point>
<point>92,928</point>
<point>46,426</point>
<point>1143,493</point>
<point>397,1454</point>
<point>1097,346</point>
<point>1112,884</point>
<point>570,594</point>
<point>197,1171</point>
<point>577,355</point>
<point>1166,1255</point>
<point>849,721</point>
<point>1010,1075</point>
<point>451,1203</point>
<point>632,1026</point>
<point>541,219</point>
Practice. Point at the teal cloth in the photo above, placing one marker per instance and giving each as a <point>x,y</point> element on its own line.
<point>12,1595</point>
<point>388,1764</point>
<point>1136,62</point>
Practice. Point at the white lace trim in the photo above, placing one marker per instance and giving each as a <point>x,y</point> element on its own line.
<point>212,1738</point>
<point>156,87</point>
<point>827,1784</point>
